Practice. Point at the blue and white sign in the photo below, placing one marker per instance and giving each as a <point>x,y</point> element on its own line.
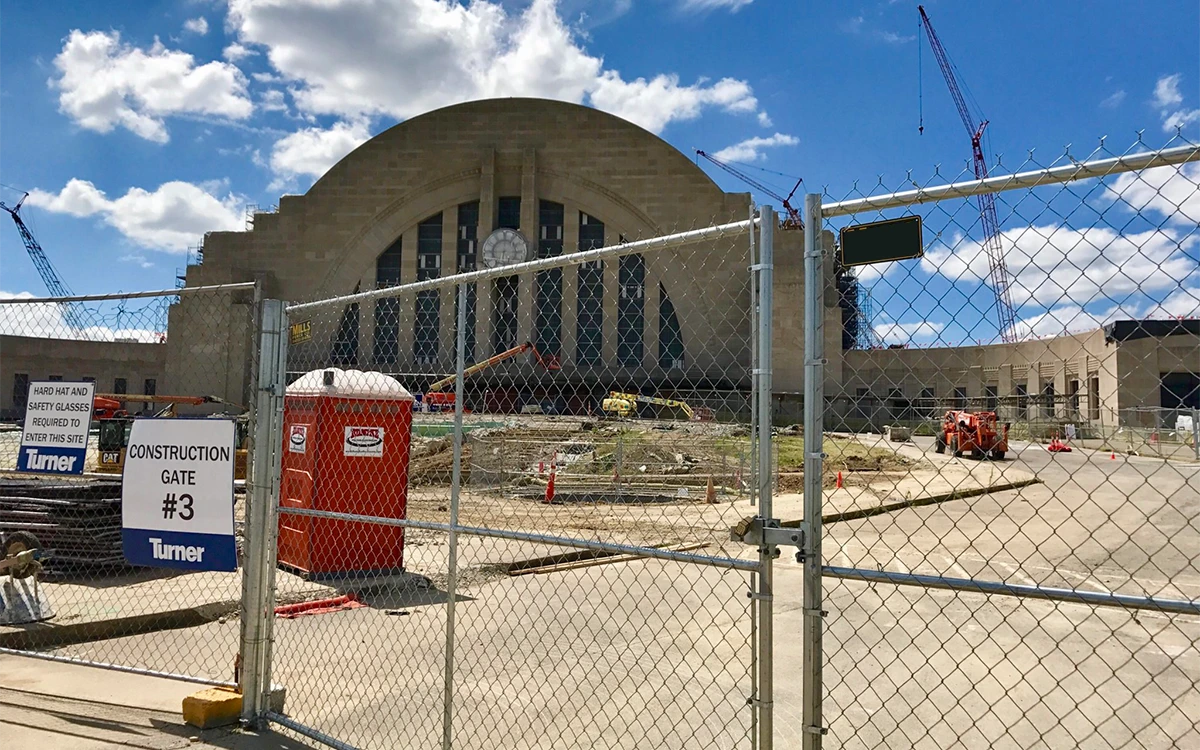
<point>57,416</point>
<point>177,494</point>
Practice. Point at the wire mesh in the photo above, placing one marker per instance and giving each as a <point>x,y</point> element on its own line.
<point>553,567</point>
<point>95,607</point>
<point>1007,561</point>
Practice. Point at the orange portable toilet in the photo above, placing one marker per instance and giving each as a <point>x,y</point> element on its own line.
<point>346,444</point>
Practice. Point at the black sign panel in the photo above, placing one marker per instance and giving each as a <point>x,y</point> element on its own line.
<point>882,241</point>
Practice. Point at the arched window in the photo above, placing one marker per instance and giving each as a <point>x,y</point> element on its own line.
<point>589,302</point>
<point>670,338</point>
<point>387,309</point>
<point>631,309</point>
<point>547,324</point>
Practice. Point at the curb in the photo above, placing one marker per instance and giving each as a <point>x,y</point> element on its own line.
<point>53,636</point>
<point>854,515</point>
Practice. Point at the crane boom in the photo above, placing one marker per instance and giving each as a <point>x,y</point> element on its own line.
<point>72,311</point>
<point>793,220</point>
<point>997,269</point>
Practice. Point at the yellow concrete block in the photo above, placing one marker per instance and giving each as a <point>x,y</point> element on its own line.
<point>213,707</point>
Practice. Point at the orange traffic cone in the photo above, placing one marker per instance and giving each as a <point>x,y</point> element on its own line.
<point>1113,457</point>
<point>550,487</point>
<point>839,480</point>
<point>710,494</point>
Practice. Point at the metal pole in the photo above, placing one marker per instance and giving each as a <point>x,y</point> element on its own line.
<point>753,359</point>
<point>258,516</point>
<point>1196,432</point>
<point>766,553</point>
<point>814,412</point>
<point>455,488</point>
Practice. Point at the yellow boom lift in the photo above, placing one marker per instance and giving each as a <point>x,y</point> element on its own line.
<point>623,404</point>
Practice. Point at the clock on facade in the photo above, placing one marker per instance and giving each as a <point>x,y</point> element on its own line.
<point>504,247</point>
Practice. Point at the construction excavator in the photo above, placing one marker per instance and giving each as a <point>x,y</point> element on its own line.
<point>116,422</point>
<point>624,404</point>
<point>436,399</point>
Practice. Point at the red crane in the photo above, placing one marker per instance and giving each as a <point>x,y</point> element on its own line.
<point>997,270</point>
<point>793,220</point>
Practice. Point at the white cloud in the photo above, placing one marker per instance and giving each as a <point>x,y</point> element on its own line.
<point>751,148</point>
<point>921,331</point>
<point>1167,98</point>
<point>857,26</point>
<point>343,61</point>
<point>46,321</point>
<point>733,6</point>
<point>1184,302</point>
<point>1113,100</point>
<point>313,151</point>
<point>235,52</point>
<point>103,84</point>
<point>1171,191</point>
<point>136,258</point>
<point>765,120</point>
<point>1054,265</point>
<point>1166,91</point>
<point>196,25</point>
<point>273,101</point>
<point>173,217</point>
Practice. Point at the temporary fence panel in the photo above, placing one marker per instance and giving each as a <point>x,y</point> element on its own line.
<point>514,489</point>
<point>996,566</point>
<point>101,609</point>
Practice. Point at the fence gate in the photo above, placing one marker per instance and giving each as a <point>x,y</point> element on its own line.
<point>513,491</point>
<point>1009,555</point>
<point>105,613</point>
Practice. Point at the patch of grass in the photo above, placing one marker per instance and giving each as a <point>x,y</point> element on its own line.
<point>840,455</point>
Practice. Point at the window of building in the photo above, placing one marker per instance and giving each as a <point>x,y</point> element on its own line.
<point>992,394</point>
<point>631,309</point>
<point>508,215</point>
<point>960,397</point>
<point>1048,394</point>
<point>428,303</point>
<point>55,378</point>
<point>88,378</point>
<point>468,233</point>
<point>1023,399</point>
<point>344,352</point>
<point>670,337</point>
<point>897,403</point>
<point>1073,397</point>
<point>547,323</point>
<point>504,313</point>
<point>589,302</point>
<point>149,387</point>
<point>20,389</point>
<point>387,309</point>
<point>1094,399</point>
<point>119,385</point>
<point>927,403</point>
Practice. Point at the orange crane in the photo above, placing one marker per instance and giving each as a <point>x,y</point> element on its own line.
<point>997,269</point>
<point>434,397</point>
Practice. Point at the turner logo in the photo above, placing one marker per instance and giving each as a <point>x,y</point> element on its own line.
<point>363,441</point>
<point>176,552</point>
<point>52,462</point>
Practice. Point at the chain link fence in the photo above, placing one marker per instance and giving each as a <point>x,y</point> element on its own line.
<point>1019,563</point>
<point>87,603</point>
<point>516,486</point>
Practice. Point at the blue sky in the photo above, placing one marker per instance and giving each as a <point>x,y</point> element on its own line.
<point>171,116</point>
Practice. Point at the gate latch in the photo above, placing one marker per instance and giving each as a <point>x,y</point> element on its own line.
<point>766,532</point>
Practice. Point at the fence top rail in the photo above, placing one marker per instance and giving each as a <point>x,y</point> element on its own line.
<point>651,244</point>
<point>129,295</point>
<point>1020,180</point>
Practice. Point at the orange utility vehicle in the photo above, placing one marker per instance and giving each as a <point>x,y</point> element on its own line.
<point>435,397</point>
<point>974,431</point>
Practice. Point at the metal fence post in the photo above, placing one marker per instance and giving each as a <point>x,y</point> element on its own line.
<point>257,589</point>
<point>1196,432</point>
<point>766,555</point>
<point>814,416</point>
<point>460,348</point>
<point>753,358</point>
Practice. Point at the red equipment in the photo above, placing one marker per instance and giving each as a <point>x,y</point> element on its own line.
<point>346,447</point>
<point>976,432</point>
<point>435,399</point>
<point>1058,446</point>
<point>997,270</point>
